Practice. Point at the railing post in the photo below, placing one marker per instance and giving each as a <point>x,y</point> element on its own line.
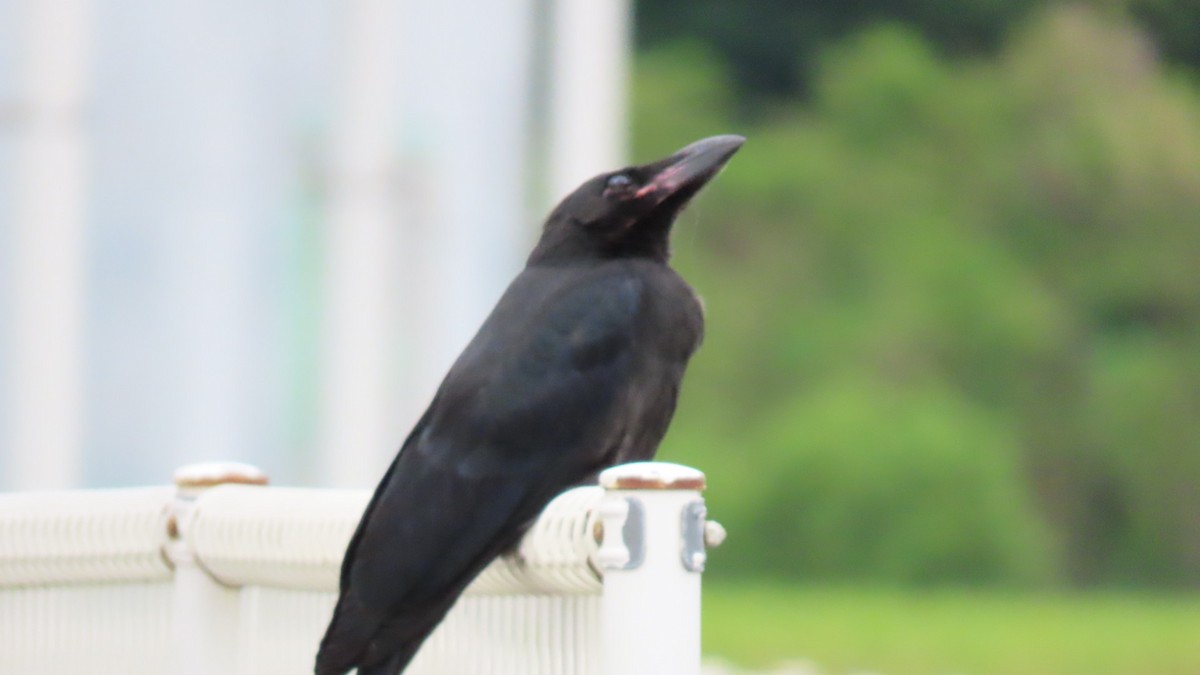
<point>652,552</point>
<point>204,612</point>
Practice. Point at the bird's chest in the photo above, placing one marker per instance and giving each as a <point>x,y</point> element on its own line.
<point>676,322</point>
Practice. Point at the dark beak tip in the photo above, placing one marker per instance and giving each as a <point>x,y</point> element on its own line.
<point>725,143</point>
<point>704,158</point>
<point>732,140</point>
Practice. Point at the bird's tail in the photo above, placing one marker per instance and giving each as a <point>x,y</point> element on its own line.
<point>347,637</point>
<point>391,666</point>
<point>395,664</point>
<point>375,646</point>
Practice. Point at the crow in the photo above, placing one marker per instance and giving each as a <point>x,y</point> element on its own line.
<point>576,369</point>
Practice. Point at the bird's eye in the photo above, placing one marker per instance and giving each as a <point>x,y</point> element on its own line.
<point>619,182</point>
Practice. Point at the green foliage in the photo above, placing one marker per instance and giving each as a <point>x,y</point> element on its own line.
<point>774,47</point>
<point>897,485</point>
<point>947,297</point>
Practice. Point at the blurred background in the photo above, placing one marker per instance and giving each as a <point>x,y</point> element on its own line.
<point>949,400</point>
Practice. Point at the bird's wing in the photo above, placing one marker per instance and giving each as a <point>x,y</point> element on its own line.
<point>531,407</point>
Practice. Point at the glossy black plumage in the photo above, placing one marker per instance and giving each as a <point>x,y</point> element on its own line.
<point>577,368</point>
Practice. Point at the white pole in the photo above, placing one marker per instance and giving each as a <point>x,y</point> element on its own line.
<point>44,397</point>
<point>205,619</point>
<point>590,70</point>
<point>652,554</point>
<point>357,434</point>
<point>470,99</point>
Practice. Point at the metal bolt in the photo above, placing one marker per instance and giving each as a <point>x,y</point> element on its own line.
<point>714,533</point>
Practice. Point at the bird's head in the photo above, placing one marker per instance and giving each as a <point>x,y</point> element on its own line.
<point>629,212</point>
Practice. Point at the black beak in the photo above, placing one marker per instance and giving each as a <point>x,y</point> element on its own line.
<point>688,170</point>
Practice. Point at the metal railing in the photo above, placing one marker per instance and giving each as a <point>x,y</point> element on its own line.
<point>224,575</point>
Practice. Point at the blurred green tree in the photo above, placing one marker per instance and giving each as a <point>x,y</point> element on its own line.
<point>946,297</point>
<point>774,46</point>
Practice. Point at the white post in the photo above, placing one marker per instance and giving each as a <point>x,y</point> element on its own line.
<point>590,70</point>
<point>357,435</point>
<point>468,103</point>
<point>44,397</point>
<point>204,612</point>
<point>652,554</point>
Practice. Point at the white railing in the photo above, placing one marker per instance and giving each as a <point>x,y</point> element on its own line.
<point>223,575</point>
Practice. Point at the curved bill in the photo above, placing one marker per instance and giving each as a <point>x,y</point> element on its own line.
<point>690,168</point>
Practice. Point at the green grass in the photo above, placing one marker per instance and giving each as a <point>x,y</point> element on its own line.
<point>953,632</point>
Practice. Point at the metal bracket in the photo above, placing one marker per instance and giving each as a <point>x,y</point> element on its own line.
<point>692,536</point>
<point>630,551</point>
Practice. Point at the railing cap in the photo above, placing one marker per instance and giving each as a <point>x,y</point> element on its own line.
<point>652,476</point>
<point>209,474</point>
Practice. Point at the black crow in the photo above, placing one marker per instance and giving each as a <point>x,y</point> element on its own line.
<point>577,368</point>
